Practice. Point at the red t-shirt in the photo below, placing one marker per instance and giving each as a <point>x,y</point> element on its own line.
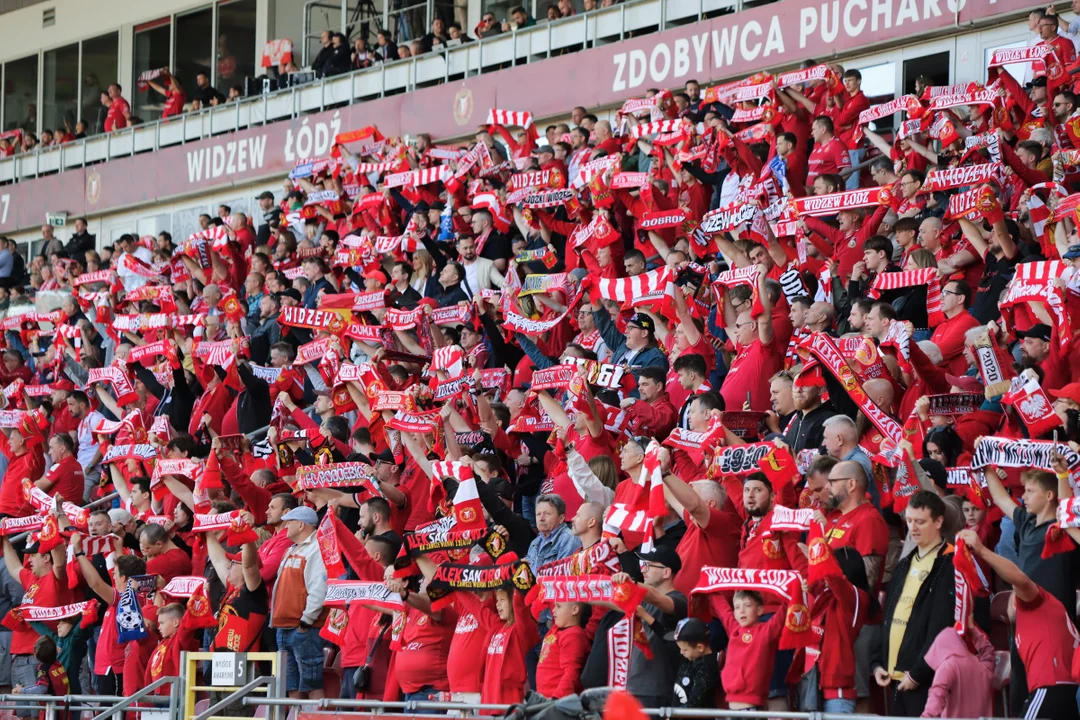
<point>469,643</point>
<point>827,158</point>
<point>416,485</point>
<point>67,480</point>
<point>863,529</point>
<point>425,645</point>
<point>750,371</point>
<point>562,656</point>
<point>114,119</point>
<point>109,654</point>
<point>715,545</point>
<point>1045,639</point>
<point>62,420</point>
<point>169,564</point>
<point>45,591</point>
<point>174,103</point>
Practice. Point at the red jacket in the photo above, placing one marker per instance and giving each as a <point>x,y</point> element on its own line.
<point>845,248</point>
<point>654,419</point>
<point>837,617</point>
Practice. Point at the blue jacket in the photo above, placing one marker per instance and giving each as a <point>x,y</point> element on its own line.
<point>651,356</point>
<point>561,543</point>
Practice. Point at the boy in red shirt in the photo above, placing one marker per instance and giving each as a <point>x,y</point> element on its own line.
<point>563,651</point>
<point>179,632</point>
<point>752,647</point>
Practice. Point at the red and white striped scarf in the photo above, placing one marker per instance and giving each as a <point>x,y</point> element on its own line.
<point>645,504</point>
<point>914,278</point>
<point>511,118</point>
<point>1033,282</point>
<point>625,289</point>
<point>659,126</point>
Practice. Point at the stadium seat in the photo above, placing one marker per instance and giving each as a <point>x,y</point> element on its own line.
<point>1000,630</point>
<point>1000,681</point>
<point>331,672</point>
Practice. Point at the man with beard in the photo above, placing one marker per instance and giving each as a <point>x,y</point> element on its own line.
<point>762,549</point>
<point>1039,347</point>
<point>375,520</point>
<point>806,428</point>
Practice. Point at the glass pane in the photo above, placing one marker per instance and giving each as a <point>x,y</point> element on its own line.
<point>194,48</point>
<point>934,68</point>
<point>99,62</point>
<point>236,44</point>
<point>60,93</point>
<point>151,53</point>
<point>1022,72</point>
<point>20,94</point>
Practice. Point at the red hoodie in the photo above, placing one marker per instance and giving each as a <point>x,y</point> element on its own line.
<point>837,617</point>
<point>751,650</point>
<point>562,655</point>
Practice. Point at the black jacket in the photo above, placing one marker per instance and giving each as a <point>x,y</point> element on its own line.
<point>253,406</point>
<point>808,432</point>
<point>932,613</point>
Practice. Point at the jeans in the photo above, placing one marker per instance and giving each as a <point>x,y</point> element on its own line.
<point>1006,546</point>
<point>856,158</point>
<point>920,335</point>
<point>423,695</point>
<point>840,706</point>
<point>303,659</point>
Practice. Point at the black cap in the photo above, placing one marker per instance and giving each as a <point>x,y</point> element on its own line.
<point>690,630</point>
<point>1072,253</point>
<point>386,456</point>
<point>1039,331</point>
<point>642,321</point>
<point>265,195</point>
<point>32,548</point>
<point>294,195</point>
<point>291,293</point>
<point>1038,82</point>
<point>664,556</point>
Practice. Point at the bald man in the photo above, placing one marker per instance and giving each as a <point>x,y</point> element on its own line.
<point>821,317</point>
<point>842,443</point>
<point>606,144</point>
<point>882,392</point>
<point>852,521</point>
<point>588,524</point>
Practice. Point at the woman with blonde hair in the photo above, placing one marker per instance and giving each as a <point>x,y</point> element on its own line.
<point>920,260</point>
<point>422,265</point>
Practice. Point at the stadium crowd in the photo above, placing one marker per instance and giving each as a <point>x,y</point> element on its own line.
<point>730,401</point>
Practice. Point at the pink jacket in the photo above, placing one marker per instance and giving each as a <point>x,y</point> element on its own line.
<point>962,681</point>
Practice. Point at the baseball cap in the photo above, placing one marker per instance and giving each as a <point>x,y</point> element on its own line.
<point>32,548</point>
<point>265,195</point>
<point>1072,253</point>
<point>1038,331</point>
<point>302,513</point>
<point>690,630</point>
<point>1038,82</point>
<point>965,383</point>
<point>375,275</point>
<point>664,556</point>
<point>1068,392</point>
<point>63,384</point>
<point>239,557</point>
<point>120,516</point>
<point>386,456</point>
<point>642,321</point>
<point>291,293</point>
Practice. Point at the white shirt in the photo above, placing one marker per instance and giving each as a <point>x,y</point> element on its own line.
<point>87,446</point>
<point>129,278</point>
<point>472,279</point>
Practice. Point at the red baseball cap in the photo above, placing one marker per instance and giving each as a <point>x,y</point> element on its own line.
<point>965,383</point>
<point>1068,392</point>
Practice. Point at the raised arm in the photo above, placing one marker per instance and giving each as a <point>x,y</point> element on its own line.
<point>998,493</point>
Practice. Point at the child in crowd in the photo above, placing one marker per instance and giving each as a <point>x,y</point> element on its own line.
<point>564,650</point>
<point>752,646</point>
<point>52,679</point>
<point>695,682</point>
<point>962,680</point>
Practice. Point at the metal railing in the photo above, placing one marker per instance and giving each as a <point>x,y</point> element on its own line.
<point>53,706</point>
<point>521,46</point>
<point>331,706</point>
